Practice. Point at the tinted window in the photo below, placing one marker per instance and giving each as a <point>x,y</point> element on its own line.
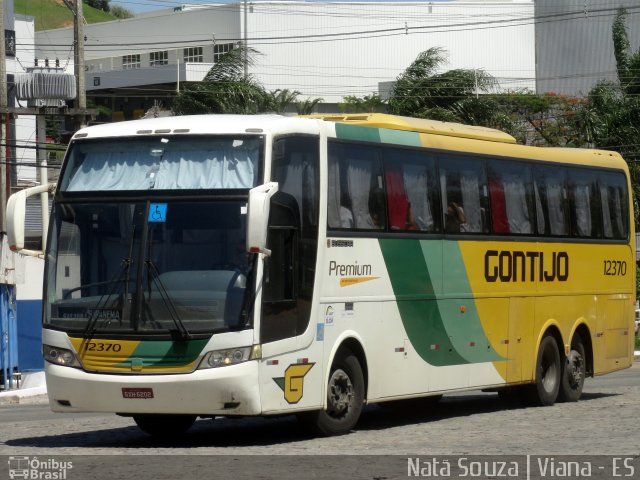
<point>464,195</point>
<point>412,192</point>
<point>586,215</point>
<point>551,201</point>
<point>356,187</point>
<point>511,194</point>
<point>615,208</point>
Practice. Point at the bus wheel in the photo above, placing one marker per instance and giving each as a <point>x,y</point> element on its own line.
<point>164,425</point>
<point>544,391</point>
<point>573,373</point>
<point>345,397</point>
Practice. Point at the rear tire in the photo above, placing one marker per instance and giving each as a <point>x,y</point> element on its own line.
<point>544,391</point>
<point>345,398</point>
<point>164,426</point>
<point>573,373</point>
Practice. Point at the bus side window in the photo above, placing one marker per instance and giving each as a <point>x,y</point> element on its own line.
<point>613,195</point>
<point>586,212</point>
<point>551,201</point>
<point>511,195</point>
<point>464,195</point>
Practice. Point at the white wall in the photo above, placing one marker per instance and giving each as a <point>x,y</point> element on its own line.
<point>484,35</point>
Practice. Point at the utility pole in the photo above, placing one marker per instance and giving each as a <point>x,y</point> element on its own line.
<point>3,126</point>
<point>78,58</point>
<point>246,42</point>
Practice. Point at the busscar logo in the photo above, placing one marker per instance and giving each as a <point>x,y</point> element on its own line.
<point>292,384</point>
<point>34,468</point>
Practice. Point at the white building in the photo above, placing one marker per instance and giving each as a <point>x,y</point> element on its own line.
<point>327,50</point>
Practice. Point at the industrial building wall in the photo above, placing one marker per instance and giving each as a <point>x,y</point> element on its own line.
<point>574,43</point>
<point>156,31</point>
<point>331,50</point>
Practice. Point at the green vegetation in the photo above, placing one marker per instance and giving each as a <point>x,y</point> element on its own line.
<point>50,14</point>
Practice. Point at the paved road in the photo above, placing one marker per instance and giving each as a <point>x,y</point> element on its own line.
<point>605,422</point>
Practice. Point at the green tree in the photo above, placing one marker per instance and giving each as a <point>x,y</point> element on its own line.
<point>225,89</point>
<point>306,107</point>
<point>121,12</point>
<point>368,103</point>
<point>615,107</point>
<point>99,4</point>
<point>420,91</point>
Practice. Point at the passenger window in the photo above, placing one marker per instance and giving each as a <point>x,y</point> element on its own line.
<point>511,195</point>
<point>464,193</point>
<point>551,201</point>
<point>586,218</point>
<point>615,210</point>
<point>412,194</point>
<point>356,188</point>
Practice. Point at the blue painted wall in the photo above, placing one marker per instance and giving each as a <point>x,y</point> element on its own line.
<point>29,314</point>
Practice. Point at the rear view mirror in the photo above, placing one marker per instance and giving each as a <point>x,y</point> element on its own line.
<point>16,210</point>
<point>258,217</point>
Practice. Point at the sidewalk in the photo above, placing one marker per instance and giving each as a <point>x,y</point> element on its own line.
<point>33,390</point>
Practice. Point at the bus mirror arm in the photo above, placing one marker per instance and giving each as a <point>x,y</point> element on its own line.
<point>258,217</point>
<point>15,215</point>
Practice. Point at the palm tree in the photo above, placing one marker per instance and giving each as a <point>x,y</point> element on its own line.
<point>420,91</point>
<point>225,88</point>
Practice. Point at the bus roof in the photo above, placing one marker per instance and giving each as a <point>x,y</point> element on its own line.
<point>420,125</point>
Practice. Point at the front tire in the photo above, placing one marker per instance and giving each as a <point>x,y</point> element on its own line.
<point>345,398</point>
<point>573,373</point>
<point>164,426</point>
<point>544,391</point>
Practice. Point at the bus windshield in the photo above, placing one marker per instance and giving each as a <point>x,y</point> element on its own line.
<point>162,163</point>
<point>149,268</point>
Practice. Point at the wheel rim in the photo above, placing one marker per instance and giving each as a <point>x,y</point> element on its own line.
<point>340,394</point>
<point>575,366</point>
<point>549,370</point>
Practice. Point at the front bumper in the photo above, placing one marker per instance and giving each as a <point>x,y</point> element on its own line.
<point>232,390</point>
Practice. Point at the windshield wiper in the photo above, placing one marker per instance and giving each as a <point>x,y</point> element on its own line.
<point>166,298</point>
<point>93,325</point>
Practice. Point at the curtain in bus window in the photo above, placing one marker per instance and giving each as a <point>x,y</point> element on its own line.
<point>515,194</point>
<point>232,168</point>
<point>417,188</point>
<point>470,187</point>
<point>359,183</point>
<point>613,213</point>
<point>112,171</point>
<point>582,199</point>
<point>194,169</point>
<point>499,221</point>
<point>397,202</point>
<point>555,200</point>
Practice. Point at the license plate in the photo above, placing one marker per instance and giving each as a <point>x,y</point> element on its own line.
<point>137,393</point>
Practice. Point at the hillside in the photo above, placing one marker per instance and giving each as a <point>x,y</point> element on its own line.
<point>50,14</point>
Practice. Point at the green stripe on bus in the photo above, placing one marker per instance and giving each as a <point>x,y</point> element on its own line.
<point>166,353</point>
<point>356,132</point>
<point>400,137</point>
<point>438,329</point>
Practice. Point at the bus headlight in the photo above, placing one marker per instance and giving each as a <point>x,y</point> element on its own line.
<point>230,356</point>
<point>60,356</point>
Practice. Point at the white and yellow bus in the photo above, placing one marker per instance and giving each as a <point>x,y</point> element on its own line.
<point>208,266</point>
